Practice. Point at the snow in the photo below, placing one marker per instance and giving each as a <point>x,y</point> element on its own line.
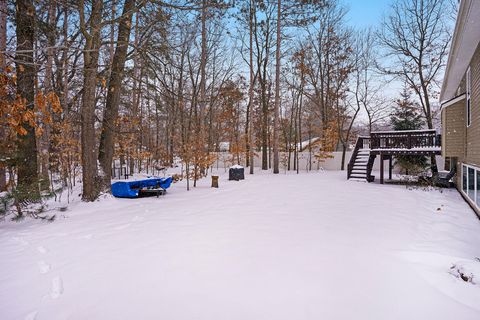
<point>410,149</point>
<point>137,177</point>
<point>237,166</point>
<point>404,131</point>
<point>308,246</point>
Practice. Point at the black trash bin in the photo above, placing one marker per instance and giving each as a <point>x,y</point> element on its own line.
<point>236,172</point>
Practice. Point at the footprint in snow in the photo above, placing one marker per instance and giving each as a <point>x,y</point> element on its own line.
<point>87,236</point>
<point>42,249</point>
<point>124,226</point>
<point>57,287</point>
<point>43,267</point>
<point>31,315</point>
<point>138,218</point>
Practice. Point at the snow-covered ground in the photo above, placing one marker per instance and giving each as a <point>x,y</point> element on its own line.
<point>308,246</point>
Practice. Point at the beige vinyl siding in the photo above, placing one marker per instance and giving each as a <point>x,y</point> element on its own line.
<point>472,155</point>
<point>453,130</point>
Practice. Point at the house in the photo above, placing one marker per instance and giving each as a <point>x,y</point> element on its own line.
<point>313,144</point>
<point>460,99</point>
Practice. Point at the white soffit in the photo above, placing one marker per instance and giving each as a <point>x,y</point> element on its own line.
<point>465,40</point>
<point>453,101</point>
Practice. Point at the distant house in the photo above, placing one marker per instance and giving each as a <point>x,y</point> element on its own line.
<point>460,97</point>
<point>313,144</point>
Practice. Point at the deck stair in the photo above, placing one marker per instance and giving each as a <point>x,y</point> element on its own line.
<point>388,144</point>
<point>360,165</point>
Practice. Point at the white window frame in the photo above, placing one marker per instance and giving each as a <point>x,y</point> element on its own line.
<point>468,101</point>
<point>465,193</point>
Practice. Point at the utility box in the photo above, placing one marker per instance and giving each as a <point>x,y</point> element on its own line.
<point>214,181</point>
<point>236,173</point>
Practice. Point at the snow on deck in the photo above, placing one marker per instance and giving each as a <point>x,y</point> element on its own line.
<point>312,246</point>
<point>404,131</point>
<point>409,149</point>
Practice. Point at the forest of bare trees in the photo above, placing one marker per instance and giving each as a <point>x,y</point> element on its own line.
<point>91,85</point>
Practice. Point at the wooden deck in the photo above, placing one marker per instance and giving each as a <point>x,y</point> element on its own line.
<point>388,144</point>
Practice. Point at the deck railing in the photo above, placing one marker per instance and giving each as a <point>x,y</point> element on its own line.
<point>407,139</point>
<point>395,142</point>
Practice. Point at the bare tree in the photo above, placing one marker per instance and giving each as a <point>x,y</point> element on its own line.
<point>105,154</point>
<point>367,85</point>
<point>91,31</point>
<point>415,36</point>
<point>250,87</point>
<point>48,87</point>
<point>3,64</point>
<point>346,115</point>
<point>323,53</point>
<point>276,107</point>
<point>263,34</point>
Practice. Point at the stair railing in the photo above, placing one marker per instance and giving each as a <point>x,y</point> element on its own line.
<point>358,145</point>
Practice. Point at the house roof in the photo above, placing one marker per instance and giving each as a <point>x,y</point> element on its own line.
<point>466,38</point>
<point>305,144</point>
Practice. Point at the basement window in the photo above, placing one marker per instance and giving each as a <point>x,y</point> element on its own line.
<point>471,183</point>
<point>477,194</point>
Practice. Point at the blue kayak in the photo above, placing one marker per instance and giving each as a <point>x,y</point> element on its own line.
<point>141,188</point>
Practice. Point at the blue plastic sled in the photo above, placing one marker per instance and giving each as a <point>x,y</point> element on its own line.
<point>141,188</point>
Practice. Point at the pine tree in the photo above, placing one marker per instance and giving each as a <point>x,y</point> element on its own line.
<point>406,116</point>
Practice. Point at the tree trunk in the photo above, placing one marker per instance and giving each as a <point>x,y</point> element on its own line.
<point>344,150</point>
<point>269,148</point>
<point>64,93</point>
<point>264,131</point>
<point>137,75</point>
<point>3,64</point>
<point>302,83</point>
<point>250,91</point>
<point>277,92</point>
<point>87,112</point>
<point>203,65</point>
<point>48,87</point>
<point>247,130</point>
<point>27,186</point>
<point>111,48</point>
<point>289,136</point>
<point>309,148</point>
<point>433,159</point>
<point>106,149</point>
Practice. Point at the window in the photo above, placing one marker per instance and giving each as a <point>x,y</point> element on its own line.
<point>471,183</point>
<point>478,188</point>
<point>468,91</point>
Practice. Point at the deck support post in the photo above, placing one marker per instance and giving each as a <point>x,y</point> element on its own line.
<point>381,168</point>
<point>390,167</point>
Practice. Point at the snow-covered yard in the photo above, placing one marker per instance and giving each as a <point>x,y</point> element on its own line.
<point>312,246</point>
